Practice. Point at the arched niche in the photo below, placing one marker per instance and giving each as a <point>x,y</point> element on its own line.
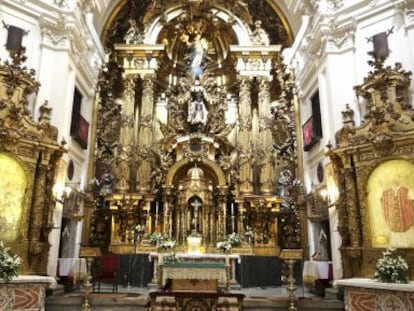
<point>13,185</point>
<point>390,200</point>
<point>206,165</point>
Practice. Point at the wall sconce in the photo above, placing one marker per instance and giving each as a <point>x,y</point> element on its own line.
<point>328,195</point>
<point>61,192</point>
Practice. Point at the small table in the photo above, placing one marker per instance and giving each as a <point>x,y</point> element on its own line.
<point>72,268</point>
<point>316,270</point>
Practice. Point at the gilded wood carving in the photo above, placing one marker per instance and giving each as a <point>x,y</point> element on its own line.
<point>373,165</point>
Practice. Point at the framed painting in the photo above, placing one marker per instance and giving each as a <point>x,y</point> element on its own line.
<point>309,136</point>
<point>12,196</point>
<point>390,198</point>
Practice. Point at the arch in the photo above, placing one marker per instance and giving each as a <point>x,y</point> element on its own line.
<point>176,167</point>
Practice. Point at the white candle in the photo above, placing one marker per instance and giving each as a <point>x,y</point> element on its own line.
<point>232,209</point>
<point>156,212</point>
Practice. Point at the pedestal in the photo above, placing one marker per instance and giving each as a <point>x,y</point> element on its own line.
<point>26,292</point>
<point>367,294</point>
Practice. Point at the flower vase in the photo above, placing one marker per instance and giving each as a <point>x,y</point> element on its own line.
<point>138,239</point>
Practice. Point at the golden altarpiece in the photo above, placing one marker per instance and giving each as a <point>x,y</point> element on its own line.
<point>373,167</point>
<point>29,157</point>
<point>196,131</point>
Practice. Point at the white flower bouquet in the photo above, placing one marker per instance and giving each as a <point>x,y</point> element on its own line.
<point>234,239</point>
<point>139,229</point>
<point>156,238</point>
<point>9,264</point>
<point>391,268</point>
<point>166,245</point>
<point>223,246</point>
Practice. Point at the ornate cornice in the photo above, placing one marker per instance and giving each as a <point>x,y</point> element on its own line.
<point>55,33</point>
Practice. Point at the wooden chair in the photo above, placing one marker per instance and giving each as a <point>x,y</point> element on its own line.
<point>105,270</point>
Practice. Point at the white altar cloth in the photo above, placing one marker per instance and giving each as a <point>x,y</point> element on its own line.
<point>73,267</point>
<point>196,256</point>
<point>224,277</point>
<point>374,284</point>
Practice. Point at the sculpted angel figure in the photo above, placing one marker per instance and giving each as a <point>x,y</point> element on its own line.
<point>133,35</point>
<point>259,35</point>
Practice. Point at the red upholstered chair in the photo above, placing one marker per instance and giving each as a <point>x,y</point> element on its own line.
<point>105,270</point>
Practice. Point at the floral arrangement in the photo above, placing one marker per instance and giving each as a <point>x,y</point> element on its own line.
<point>173,258</point>
<point>156,238</point>
<point>233,239</point>
<point>139,229</point>
<point>166,244</point>
<point>391,268</point>
<point>223,246</point>
<point>9,264</point>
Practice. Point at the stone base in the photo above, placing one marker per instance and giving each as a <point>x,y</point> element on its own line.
<point>196,300</point>
<point>25,292</point>
<point>368,294</point>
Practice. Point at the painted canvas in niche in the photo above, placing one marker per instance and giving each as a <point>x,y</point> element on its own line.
<point>12,190</point>
<point>390,194</point>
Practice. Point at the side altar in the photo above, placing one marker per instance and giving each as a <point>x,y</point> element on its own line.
<point>369,294</point>
<point>216,269</point>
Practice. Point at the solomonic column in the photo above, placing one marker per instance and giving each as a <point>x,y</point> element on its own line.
<point>144,150</point>
<point>244,138</point>
<point>141,59</point>
<point>265,137</point>
<point>126,135</point>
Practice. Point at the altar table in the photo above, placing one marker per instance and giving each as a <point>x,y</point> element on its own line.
<point>224,270</point>
<point>194,271</point>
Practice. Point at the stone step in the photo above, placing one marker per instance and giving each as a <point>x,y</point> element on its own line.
<point>119,302</point>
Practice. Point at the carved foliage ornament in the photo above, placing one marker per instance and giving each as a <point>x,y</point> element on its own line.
<point>388,111</point>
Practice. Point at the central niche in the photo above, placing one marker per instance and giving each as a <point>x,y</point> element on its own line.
<point>195,208</point>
